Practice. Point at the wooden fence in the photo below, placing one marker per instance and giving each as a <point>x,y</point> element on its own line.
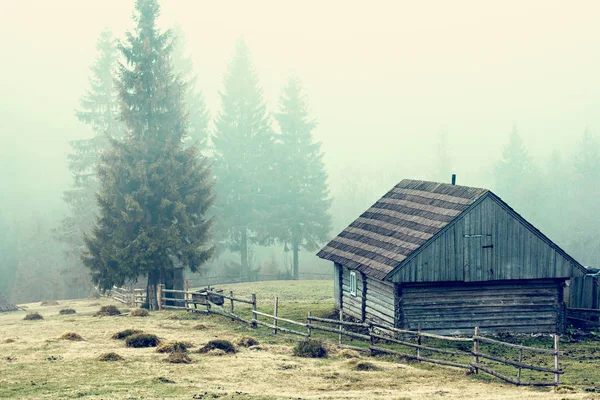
<point>586,318</point>
<point>377,338</point>
<point>131,296</point>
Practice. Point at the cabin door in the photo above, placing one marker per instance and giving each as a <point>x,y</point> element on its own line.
<point>477,257</point>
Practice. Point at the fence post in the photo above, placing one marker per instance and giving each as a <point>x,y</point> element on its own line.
<point>419,342</point>
<point>275,315</point>
<point>186,288</point>
<point>159,296</point>
<point>371,339</point>
<point>556,375</point>
<point>476,349</point>
<point>341,326</point>
<point>308,322</point>
<point>231,295</point>
<point>132,296</point>
<point>520,362</point>
<point>254,316</point>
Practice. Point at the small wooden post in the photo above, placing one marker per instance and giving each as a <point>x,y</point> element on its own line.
<point>476,349</point>
<point>231,295</point>
<point>308,322</point>
<point>341,326</point>
<point>186,288</point>
<point>419,342</point>
<point>275,315</point>
<point>371,339</point>
<point>254,316</point>
<point>520,362</point>
<point>556,374</point>
<point>159,296</point>
<point>133,296</point>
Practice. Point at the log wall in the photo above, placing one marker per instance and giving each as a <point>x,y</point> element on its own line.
<point>353,305</point>
<point>533,306</point>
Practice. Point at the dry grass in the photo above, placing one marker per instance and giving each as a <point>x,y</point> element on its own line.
<point>125,334</point>
<point>247,341</point>
<point>48,303</point>
<point>34,316</point>
<point>108,311</point>
<point>178,358</point>
<point>139,312</point>
<point>219,344</point>
<point>44,368</point>
<point>112,356</point>
<point>71,336</point>
<point>174,347</point>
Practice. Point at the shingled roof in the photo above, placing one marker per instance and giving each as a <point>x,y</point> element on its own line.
<point>398,224</point>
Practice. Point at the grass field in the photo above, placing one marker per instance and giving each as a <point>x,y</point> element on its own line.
<point>36,364</point>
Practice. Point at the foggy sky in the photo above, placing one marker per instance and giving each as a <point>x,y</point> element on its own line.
<point>383,78</point>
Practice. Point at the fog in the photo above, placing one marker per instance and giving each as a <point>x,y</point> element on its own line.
<point>384,81</point>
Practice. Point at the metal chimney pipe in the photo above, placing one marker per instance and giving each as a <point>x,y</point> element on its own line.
<point>454,179</point>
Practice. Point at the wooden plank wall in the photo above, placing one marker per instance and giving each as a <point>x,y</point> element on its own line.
<point>337,286</point>
<point>352,305</point>
<point>380,303</point>
<point>533,306</point>
<point>518,253</point>
<point>584,292</point>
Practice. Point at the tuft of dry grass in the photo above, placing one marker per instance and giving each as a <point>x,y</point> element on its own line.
<point>71,336</point>
<point>139,312</point>
<point>200,327</point>
<point>125,334</point>
<point>219,344</point>
<point>142,340</point>
<point>47,303</point>
<point>108,311</point>
<point>348,354</point>
<point>33,316</point>
<point>67,311</point>
<point>247,341</point>
<point>310,348</point>
<point>9,341</point>
<point>362,365</point>
<point>110,357</point>
<point>178,358</point>
<point>174,347</point>
<point>216,352</point>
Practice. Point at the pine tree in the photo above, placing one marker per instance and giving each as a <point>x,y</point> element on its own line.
<point>303,219</point>
<point>518,179</point>
<point>154,193</point>
<point>243,144</point>
<point>197,112</point>
<point>99,110</point>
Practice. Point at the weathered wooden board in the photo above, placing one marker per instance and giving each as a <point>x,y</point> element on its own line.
<point>526,307</point>
<point>487,243</point>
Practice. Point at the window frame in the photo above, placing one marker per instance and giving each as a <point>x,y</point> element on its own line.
<point>353,283</point>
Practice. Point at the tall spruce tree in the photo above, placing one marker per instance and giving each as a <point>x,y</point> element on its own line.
<point>517,178</point>
<point>154,193</point>
<point>99,109</point>
<point>195,106</point>
<point>243,151</point>
<point>303,218</point>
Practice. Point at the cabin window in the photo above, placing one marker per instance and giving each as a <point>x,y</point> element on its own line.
<point>353,283</point>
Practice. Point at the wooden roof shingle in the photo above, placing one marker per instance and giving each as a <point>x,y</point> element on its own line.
<point>398,224</point>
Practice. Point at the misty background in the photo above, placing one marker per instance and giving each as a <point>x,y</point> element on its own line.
<point>504,95</point>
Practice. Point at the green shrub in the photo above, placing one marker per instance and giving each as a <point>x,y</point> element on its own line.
<point>310,348</point>
<point>142,340</point>
<point>174,347</point>
<point>67,311</point>
<point>139,312</point>
<point>108,311</point>
<point>110,357</point>
<point>178,358</point>
<point>33,316</point>
<point>71,336</point>
<point>247,341</point>
<point>219,344</point>
<point>125,334</point>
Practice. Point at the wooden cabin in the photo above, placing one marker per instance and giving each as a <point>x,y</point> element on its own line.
<point>449,258</point>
